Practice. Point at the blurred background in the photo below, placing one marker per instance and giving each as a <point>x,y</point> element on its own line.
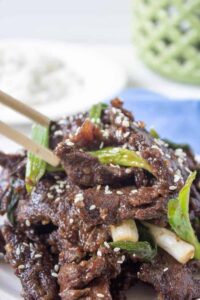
<point>69,54</point>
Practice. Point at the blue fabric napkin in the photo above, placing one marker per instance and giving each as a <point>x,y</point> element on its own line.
<point>178,120</point>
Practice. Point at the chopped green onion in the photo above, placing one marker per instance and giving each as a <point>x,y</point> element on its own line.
<point>125,231</point>
<point>142,249</point>
<point>12,205</point>
<point>178,215</point>
<point>171,243</point>
<point>122,157</point>
<point>154,133</point>
<point>96,111</point>
<point>36,167</point>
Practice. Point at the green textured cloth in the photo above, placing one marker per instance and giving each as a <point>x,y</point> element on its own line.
<point>167,36</point>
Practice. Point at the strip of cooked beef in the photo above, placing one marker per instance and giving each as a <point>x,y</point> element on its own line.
<point>73,277</point>
<point>171,280</point>
<point>32,264</point>
<point>14,163</point>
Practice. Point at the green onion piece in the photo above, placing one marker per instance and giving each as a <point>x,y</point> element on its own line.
<point>142,250</point>
<point>122,157</point>
<point>11,206</point>
<point>96,111</point>
<point>36,167</point>
<point>175,146</point>
<point>154,133</point>
<point>52,169</point>
<point>178,216</point>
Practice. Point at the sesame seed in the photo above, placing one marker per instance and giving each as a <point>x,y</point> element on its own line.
<point>69,143</point>
<point>78,197</point>
<point>99,253</point>
<point>71,221</point>
<point>28,223</point>
<point>187,170</point>
<point>176,178</point>
<point>98,187</point>
<point>107,190</point>
<point>38,255</point>
<point>54,274</point>
<point>56,268</point>
<point>18,251</point>
<point>50,196</point>
<point>128,171</point>
<point>165,269</point>
<point>106,245</point>
<point>100,295</point>
<point>57,199</point>
<point>116,249</point>
<point>101,145</point>
<point>172,187</point>
<point>58,133</point>
<point>119,193</point>
<point>133,191</point>
<point>126,134</point>
<point>92,207</point>
<point>125,123</point>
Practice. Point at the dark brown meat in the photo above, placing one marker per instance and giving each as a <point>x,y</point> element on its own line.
<point>32,264</point>
<point>171,280</point>
<point>80,279</point>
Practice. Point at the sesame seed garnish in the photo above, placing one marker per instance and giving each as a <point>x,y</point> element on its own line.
<point>128,171</point>
<point>116,249</point>
<point>99,253</point>
<point>57,199</point>
<point>92,207</point>
<point>78,197</point>
<point>107,190</point>
<point>126,134</point>
<point>71,221</point>
<point>100,295</point>
<point>101,145</point>
<point>165,269</point>
<point>54,274</point>
<point>172,187</point>
<point>28,223</point>
<point>18,251</point>
<point>176,178</point>
<point>69,143</point>
<point>56,268</point>
<point>50,196</point>
<point>58,133</point>
<point>133,191</point>
<point>38,255</point>
<point>125,123</point>
<point>106,245</point>
<point>98,187</point>
<point>119,193</point>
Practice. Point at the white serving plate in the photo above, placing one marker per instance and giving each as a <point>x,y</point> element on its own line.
<point>102,77</point>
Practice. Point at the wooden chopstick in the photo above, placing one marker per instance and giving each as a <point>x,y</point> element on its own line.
<point>24,109</point>
<point>29,144</point>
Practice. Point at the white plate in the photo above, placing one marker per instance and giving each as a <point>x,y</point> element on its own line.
<point>101,77</point>
<point>10,287</point>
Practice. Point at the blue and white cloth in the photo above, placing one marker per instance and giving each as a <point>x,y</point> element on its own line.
<point>176,120</point>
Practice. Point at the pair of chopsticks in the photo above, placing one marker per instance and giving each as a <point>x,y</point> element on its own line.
<point>20,138</point>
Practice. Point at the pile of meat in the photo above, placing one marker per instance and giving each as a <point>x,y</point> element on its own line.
<point>59,242</point>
